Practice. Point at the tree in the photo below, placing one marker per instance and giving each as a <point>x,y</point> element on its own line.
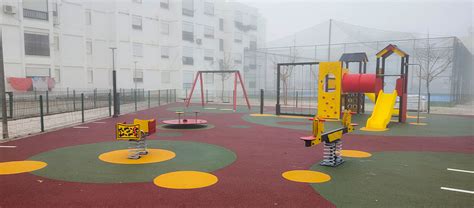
<point>434,61</point>
<point>225,64</point>
<point>285,72</point>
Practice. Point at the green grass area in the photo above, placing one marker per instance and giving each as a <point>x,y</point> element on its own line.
<point>81,164</point>
<point>399,179</point>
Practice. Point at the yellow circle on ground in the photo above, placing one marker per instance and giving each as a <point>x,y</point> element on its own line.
<point>264,115</point>
<point>374,130</point>
<point>355,153</point>
<point>418,124</point>
<point>14,167</point>
<point>185,180</point>
<point>306,176</point>
<point>121,157</point>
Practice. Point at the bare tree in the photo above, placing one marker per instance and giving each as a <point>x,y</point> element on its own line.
<point>285,72</point>
<point>225,64</point>
<point>434,61</point>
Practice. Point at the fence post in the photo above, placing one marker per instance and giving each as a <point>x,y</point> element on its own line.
<point>207,96</point>
<point>296,99</point>
<point>148,98</point>
<point>261,101</point>
<point>82,106</point>
<point>67,93</point>
<point>95,97</point>
<point>110,104</point>
<point>74,99</point>
<point>41,113</point>
<point>135,97</point>
<point>167,96</point>
<point>118,104</point>
<point>10,97</point>
<point>159,97</point>
<point>174,95</point>
<point>34,90</point>
<point>47,102</point>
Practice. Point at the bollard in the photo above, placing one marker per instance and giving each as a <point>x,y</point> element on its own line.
<point>110,104</point>
<point>261,100</point>
<point>82,106</point>
<point>41,113</point>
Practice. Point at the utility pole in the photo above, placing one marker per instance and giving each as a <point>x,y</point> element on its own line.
<point>329,41</point>
<point>3,96</point>
<point>114,84</point>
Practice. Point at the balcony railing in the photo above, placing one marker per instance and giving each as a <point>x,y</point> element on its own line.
<point>33,14</point>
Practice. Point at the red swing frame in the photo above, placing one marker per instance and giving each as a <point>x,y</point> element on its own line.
<point>236,76</point>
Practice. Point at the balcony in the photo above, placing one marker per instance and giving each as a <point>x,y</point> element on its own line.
<point>33,14</point>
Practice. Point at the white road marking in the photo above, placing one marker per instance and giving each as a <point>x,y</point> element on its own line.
<point>459,170</point>
<point>81,127</point>
<point>7,146</point>
<point>457,190</point>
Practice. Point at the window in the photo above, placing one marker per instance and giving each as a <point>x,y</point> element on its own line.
<point>89,47</point>
<point>208,32</point>
<point>209,8</point>
<point>221,24</point>
<point>165,77</point>
<point>165,52</point>
<point>136,22</point>
<point>88,16</point>
<point>238,16</point>
<point>188,8</point>
<point>253,45</point>
<point>238,37</point>
<point>138,75</point>
<point>36,44</point>
<point>35,9</point>
<point>165,28</point>
<point>56,42</point>
<point>209,55</point>
<point>165,4</point>
<point>188,56</point>
<point>221,45</point>
<point>90,75</point>
<point>57,75</point>
<point>137,49</point>
<point>188,31</point>
<point>238,59</point>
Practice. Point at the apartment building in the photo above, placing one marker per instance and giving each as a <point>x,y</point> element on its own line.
<point>155,44</point>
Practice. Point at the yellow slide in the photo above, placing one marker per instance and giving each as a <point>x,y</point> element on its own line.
<point>382,111</point>
<point>371,97</point>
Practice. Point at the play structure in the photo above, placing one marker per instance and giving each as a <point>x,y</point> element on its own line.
<point>185,123</point>
<point>337,88</point>
<point>331,139</point>
<point>237,80</point>
<point>136,134</point>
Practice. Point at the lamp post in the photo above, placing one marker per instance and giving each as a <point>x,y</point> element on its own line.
<point>419,91</point>
<point>114,84</point>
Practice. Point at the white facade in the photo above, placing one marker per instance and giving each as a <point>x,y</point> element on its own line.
<point>160,43</point>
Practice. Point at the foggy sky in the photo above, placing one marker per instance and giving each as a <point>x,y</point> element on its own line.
<point>445,18</point>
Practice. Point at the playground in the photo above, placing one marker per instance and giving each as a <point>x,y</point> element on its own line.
<point>194,154</point>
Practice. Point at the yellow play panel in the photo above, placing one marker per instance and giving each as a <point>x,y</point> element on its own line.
<point>121,157</point>
<point>185,180</point>
<point>306,176</point>
<point>355,153</point>
<point>15,167</point>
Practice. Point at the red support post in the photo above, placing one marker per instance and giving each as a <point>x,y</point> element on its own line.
<point>243,89</point>
<point>188,101</point>
<point>235,92</point>
<point>202,90</point>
